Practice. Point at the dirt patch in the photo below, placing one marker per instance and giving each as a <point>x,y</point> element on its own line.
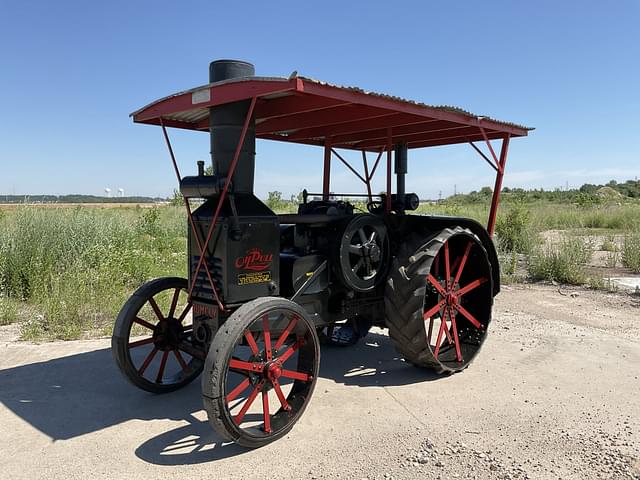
<point>552,395</point>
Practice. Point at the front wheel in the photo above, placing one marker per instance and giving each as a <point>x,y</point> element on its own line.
<point>268,348</point>
<point>152,340</point>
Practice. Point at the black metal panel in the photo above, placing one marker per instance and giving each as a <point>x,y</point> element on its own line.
<point>244,265</point>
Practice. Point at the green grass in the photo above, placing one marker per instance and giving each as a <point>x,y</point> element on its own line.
<point>66,272</point>
<point>561,262</point>
<point>75,267</point>
<point>631,251</point>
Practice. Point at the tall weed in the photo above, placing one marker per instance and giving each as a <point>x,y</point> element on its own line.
<point>561,262</point>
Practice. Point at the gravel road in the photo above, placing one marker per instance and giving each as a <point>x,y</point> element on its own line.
<point>554,394</point>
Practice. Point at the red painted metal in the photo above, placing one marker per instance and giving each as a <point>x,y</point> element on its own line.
<point>306,111</point>
<point>248,366</point>
<point>280,394</point>
<point>495,200</point>
<point>349,166</point>
<point>144,323</point>
<point>180,360</point>
<point>251,342</point>
<point>252,396</point>
<point>285,333</point>
<point>267,337</point>
<point>191,224</point>
<point>389,148</point>
<point>493,153</point>
<point>463,261</point>
<point>163,364</point>
<point>223,195</point>
<point>140,343</point>
<point>147,361</point>
<point>481,153</point>
<point>238,390</point>
<point>467,288</point>
<point>265,412</point>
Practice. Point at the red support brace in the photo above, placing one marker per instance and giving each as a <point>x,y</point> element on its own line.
<point>498,185</point>
<point>223,195</point>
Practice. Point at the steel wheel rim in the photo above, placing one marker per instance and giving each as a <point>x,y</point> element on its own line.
<point>267,389</point>
<point>159,356</point>
<point>364,253</point>
<point>458,300</point>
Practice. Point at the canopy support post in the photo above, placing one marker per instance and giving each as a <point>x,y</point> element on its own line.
<point>389,149</point>
<point>495,200</point>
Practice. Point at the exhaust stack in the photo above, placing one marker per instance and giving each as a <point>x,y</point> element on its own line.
<point>225,127</point>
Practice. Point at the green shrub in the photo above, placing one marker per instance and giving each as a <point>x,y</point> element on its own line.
<point>562,262</point>
<point>631,251</point>
<point>513,230</point>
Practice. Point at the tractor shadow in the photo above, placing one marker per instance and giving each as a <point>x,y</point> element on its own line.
<point>373,362</point>
<point>79,394</point>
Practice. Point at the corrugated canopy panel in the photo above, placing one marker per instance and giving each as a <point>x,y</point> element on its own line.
<point>303,110</point>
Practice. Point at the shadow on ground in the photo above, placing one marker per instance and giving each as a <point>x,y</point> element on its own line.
<point>79,394</point>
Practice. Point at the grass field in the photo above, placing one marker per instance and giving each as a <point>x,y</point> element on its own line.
<point>65,272</point>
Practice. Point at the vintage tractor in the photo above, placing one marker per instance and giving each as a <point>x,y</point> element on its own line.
<point>263,286</point>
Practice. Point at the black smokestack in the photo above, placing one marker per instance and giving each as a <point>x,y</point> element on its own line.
<point>225,128</point>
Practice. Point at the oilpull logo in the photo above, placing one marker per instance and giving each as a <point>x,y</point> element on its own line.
<point>255,259</point>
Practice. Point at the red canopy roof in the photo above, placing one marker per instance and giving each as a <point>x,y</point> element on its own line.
<point>303,110</point>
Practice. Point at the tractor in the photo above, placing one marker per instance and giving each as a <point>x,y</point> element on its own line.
<point>265,290</point>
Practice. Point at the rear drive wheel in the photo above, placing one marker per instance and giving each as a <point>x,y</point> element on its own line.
<point>438,300</point>
<point>261,371</point>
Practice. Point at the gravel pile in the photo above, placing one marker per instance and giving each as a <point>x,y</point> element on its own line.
<point>595,455</point>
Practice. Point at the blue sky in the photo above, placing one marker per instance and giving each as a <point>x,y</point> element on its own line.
<point>71,72</point>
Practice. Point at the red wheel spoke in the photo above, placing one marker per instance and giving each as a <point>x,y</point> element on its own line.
<point>286,333</point>
<point>289,351</point>
<point>455,264</point>
<point>470,317</point>
<point>248,366</point>
<point>174,302</point>
<point>181,361</point>
<point>436,264</point>
<point>446,329</point>
<point>280,394</point>
<point>431,279</point>
<point>139,343</point>
<point>184,312</point>
<point>238,390</point>
<point>147,361</point>
<point>144,323</point>
<point>296,375</point>
<point>265,412</point>
<point>429,313</point>
<point>155,308</point>
<point>471,286</point>
<point>238,418</point>
<point>447,265</point>
<point>163,364</point>
<point>439,339</point>
<point>251,342</point>
<point>463,261</point>
<point>267,337</point>
<point>456,340</point>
